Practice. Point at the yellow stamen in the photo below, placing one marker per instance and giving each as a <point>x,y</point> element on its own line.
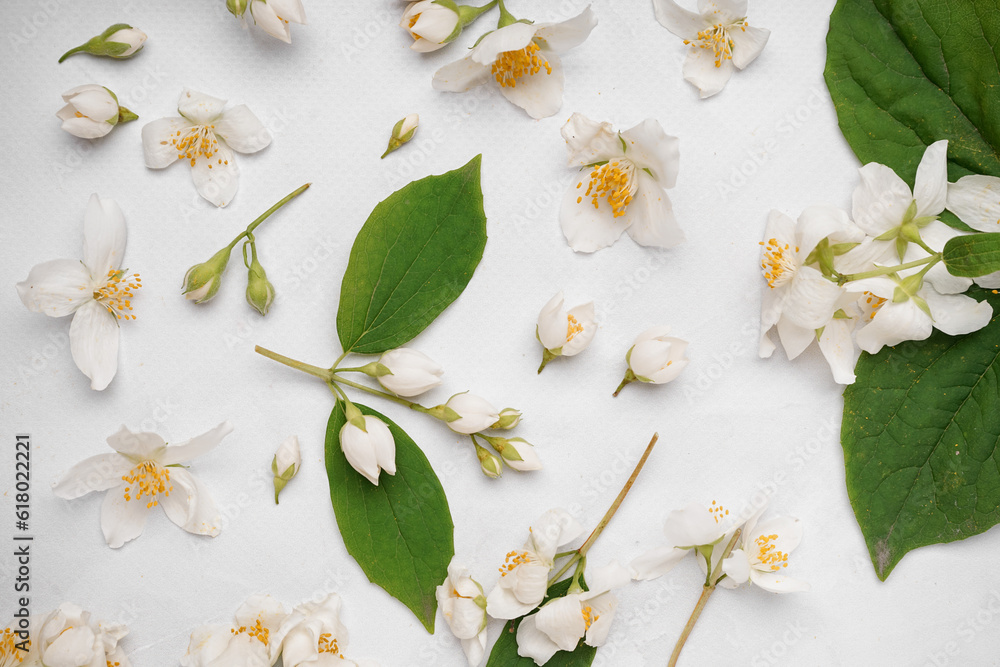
<point>778,263</point>
<point>10,654</point>
<point>197,140</point>
<point>876,302</point>
<point>716,39</point>
<point>512,65</point>
<point>514,559</point>
<point>589,617</point>
<point>116,294</point>
<point>767,553</point>
<point>613,181</point>
<point>328,644</point>
<point>717,511</point>
<point>147,479</point>
<point>573,327</point>
<point>256,631</point>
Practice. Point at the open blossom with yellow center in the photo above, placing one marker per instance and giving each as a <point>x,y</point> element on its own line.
<point>96,291</point>
<point>143,473</point>
<point>463,605</point>
<point>205,136</point>
<point>252,640</point>
<point>565,332</point>
<point>312,634</point>
<point>561,623</point>
<point>622,185</point>
<point>686,530</point>
<point>525,572</point>
<point>762,554</point>
<point>523,60</point>
<point>719,38</point>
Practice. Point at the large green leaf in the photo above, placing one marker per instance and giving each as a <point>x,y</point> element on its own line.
<point>973,255</point>
<point>906,73</point>
<point>504,653</point>
<point>413,257</point>
<point>920,434</point>
<point>400,531</point>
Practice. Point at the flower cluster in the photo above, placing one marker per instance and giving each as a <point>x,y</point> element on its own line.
<point>875,277</point>
<point>67,636</point>
<point>262,631</point>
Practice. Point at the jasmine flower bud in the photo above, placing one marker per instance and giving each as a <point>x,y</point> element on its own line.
<point>202,281</point>
<point>119,41</point>
<point>402,132</point>
<point>286,463</point>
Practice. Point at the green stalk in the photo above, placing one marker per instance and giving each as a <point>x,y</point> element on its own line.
<point>886,270</point>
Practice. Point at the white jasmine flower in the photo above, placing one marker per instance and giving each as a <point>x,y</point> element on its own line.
<point>313,636</point>
<point>657,357</point>
<point>763,553</point>
<point>142,473</point>
<point>474,413</point>
<point>523,59</point>
<point>463,605</point>
<point>686,530</point>
<point>623,188</point>
<point>899,310</point>
<point>248,642</point>
<point>799,300</point>
<point>286,463</point>
<point>72,637</point>
<point>719,36</point>
<point>524,575</point>
<point>564,333</point>
<point>91,111</point>
<point>273,16</point>
<point>96,291</point>
<point>561,623</point>
<point>431,25</point>
<point>368,446</point>
<point>205,135</point>
<point>411,372</point>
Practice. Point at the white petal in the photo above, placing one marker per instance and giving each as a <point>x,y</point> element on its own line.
<point>122,520</point>
<point>104,236</point>
<point>585,316</point>
<point>700,70</point>
<point>199,108</point>
<point>683,23</point>
<point>502,603</point>
<point>839,350</point>
<point>359,452</point>
<point>821,221</point>
<point>242,130</point>
<point>383,443</point>
<point>461,75</point>
<point>73,92</point>
<point>533,643</point>
<point>466,619</point>
<point>137,446</point>
<point>588,141</point>
<point>957,314</point>
<point>190,505</point>
<point>976,201</point>
<point>650,217</point>
<point>787,529</point>
<point>196,446</point>
<point>650,147</point>
<point>600,580</point>
<point>513,37</point>
<point>811,298</point>
<point>71,647</point>
<point>552,323</point>
<point>552,530</point>
<point>587,228</point>
<point>216,178</point>
<point>97,105</point>
<point>475,649</point>
<point>737,566</point>
<point>657,562</point>
<point>93,338</point>
<point>56,288</point>
<point>158,136</point>
<point>96,473</point>
<point>723,11</point>
<point>930,189</point>
<point>692,526</point>
<point>565,35</point>
<point>794,338</point>
<point>265,17</point>
<point>892,324</point>
<point>289,10</point>
<point>777,583</point>
<point>880,200</point>
<point>748,42</point>
<point>87,128</point>
<point>989,281</point>
<point>562,621</point>
<point>539,94</point>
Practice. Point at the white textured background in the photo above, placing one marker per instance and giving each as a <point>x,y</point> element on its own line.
<point>730,426</point>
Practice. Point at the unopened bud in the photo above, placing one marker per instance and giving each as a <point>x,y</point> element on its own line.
<point>402,132</point>
<point>119,41</point>
<point>260,291</point>
<point>509,418</point>
<point>237,7</point>
<point>202,281</point>
<point>285,465</point>
<point>489,462</point>
<point>518,453</point>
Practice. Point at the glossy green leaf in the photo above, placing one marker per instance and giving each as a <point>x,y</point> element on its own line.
<point>973,255</point>
<point>920,433</point>
<point>414,255</point>
<point>906,73</point>
<point>400,532</point>
<point>504,653</point>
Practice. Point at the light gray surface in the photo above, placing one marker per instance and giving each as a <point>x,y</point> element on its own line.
<point>732,424</point>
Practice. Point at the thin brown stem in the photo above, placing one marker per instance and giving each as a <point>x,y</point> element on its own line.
<point>706,593</point>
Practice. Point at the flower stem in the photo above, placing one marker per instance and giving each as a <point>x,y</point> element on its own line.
<point>886,270</point>
<point>396,399</point>
<point>506,18</point>
<point>76,49</point>
<point>468,14</point>
<point>253,225</point>
<point>618,501</point>
<point>706,593</point>
<point>628,379</point>
<point>565,567</point>
<point>322,373</point>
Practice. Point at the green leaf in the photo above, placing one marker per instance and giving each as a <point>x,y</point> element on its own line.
<point>504,653</point>
<point>400,532</point>
<point>906,73</point>
<point>973,255</point>
<point>414,255</point>
<point>920,434</point>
